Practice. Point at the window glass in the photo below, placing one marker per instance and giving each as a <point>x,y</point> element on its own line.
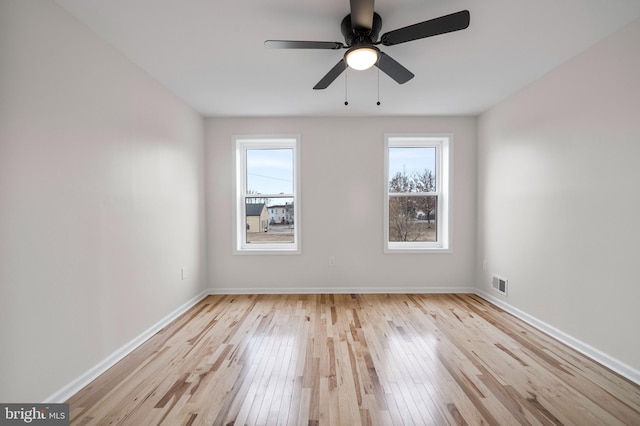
<point>409,166</point>
<point>269,171</point>
<point>413,218</point>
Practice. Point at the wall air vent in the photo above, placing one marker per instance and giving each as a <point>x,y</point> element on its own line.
<point>499,284</point>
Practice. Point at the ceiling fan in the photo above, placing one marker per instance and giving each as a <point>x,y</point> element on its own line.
<point>360,30</point>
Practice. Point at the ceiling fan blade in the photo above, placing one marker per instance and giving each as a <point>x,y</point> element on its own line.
<point>393,69</point>
<point>444,24</point>
<point>331,75</point>
<point>362,15</point>
<point>293,44</point>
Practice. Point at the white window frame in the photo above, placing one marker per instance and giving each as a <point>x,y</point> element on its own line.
<point>242,143</point>
<point>443,142</point>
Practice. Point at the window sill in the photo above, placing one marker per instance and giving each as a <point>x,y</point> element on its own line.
<point>267,252</point>
<point>435,250</point>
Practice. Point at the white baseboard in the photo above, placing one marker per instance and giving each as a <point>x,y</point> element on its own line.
<point>73,387</point>
<point>593,353</point>
<point>342,290</point>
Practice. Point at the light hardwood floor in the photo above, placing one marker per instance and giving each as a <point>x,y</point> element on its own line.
<point>354,359</point>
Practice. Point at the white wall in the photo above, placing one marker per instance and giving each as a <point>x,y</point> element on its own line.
<point>559,197</point>
<point>342,199</point>
<point>101,200</point>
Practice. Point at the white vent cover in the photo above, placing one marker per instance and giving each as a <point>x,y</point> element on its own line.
<point>499,284</point>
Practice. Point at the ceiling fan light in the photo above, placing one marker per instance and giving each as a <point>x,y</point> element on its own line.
<point>362,58</point>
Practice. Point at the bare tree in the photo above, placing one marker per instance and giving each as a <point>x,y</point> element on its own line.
<point>402,215</point>
<point>400,182</point>
<point>402,209</point>
<point>426,182</point>
<point>256,200</point>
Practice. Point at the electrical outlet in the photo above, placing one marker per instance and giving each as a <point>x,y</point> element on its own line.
<point>183,273</point>
<point>332,261</point>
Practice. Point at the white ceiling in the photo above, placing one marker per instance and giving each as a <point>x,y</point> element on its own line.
<point>210,53</point>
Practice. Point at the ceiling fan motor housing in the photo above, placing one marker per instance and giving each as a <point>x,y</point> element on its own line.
<point>354,36</point>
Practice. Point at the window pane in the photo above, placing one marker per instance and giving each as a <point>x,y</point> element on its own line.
<point>269,220</point>
<point>413,218</point>
<point>412,169</point>
<point>269,171</point>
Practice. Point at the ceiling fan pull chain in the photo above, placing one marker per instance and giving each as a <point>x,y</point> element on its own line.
<point>346,71</point>
<point>378,103</point>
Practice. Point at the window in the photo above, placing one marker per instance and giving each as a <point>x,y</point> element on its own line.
<point>266,183</point>
<point>417,193</point>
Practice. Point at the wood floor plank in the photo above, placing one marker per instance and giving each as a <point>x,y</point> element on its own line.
<point>354,359</point>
